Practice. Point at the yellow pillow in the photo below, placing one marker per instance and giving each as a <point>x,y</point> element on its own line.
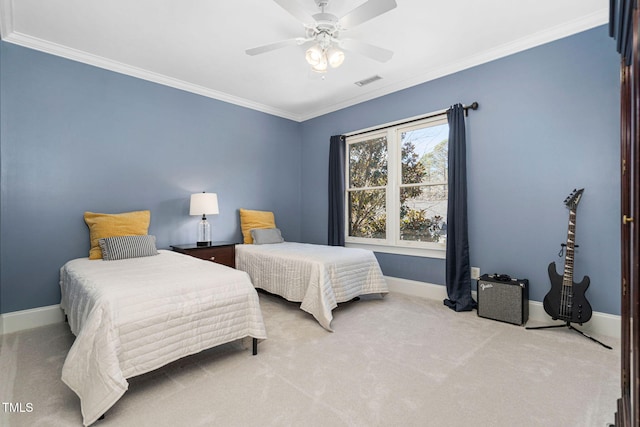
<point>255,219</point>
<point>102,226</point>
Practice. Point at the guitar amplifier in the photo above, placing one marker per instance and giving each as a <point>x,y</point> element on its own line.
<point>502,298</point>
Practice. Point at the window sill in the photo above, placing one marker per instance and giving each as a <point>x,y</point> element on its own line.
<point>401,250</point>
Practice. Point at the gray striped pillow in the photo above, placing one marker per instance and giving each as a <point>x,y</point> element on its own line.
<point>123,247</point>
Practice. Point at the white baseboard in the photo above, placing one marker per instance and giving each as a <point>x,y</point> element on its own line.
<point>600,323</point>
<point>32,318</point>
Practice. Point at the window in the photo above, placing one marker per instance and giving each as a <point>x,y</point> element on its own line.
<point>397,187</point>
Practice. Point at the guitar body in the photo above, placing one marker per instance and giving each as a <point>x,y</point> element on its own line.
<point>574,308</point>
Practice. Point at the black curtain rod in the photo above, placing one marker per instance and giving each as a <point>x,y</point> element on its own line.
<point>474,106</point>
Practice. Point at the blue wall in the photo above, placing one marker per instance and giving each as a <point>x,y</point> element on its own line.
<point>77,138</point>
<point>548,123</point>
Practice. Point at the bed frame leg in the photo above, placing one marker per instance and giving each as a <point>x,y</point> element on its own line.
<point>255,346</point>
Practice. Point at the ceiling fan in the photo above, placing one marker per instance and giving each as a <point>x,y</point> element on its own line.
<point>323,33</point>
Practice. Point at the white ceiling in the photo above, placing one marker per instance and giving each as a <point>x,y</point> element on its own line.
<point>199,45</point>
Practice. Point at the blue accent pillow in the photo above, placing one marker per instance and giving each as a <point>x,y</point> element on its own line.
<point>264,236</point>
<point>123,247</point>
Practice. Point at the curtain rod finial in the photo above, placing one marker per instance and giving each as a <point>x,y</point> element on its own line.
<point>474,106</point>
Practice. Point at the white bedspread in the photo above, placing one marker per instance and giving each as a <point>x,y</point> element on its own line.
<point>318,276</point>
<point>135,315</point>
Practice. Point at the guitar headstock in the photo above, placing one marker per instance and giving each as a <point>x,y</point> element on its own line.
<point>574,198</point>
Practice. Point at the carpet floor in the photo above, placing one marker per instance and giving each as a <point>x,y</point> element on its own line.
<point>393,361</point>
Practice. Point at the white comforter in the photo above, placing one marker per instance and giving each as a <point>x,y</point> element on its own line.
<point>318,276</point>
<point>135,315</point>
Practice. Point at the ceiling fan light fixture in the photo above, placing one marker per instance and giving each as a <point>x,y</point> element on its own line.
<point>314,55</point>
<point>321,67</point>
<point>323,30</point>
<point>335,57</point>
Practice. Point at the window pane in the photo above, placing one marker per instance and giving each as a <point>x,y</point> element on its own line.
<point>368,163</point>
<point>367,214</point>
<point>424,154</point>
<point>423,213</point>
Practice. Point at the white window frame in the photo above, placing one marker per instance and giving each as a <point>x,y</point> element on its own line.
<point>392,243</point>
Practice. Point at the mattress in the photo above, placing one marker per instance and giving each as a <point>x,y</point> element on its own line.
<point>135,315</point>
<point>317,276</point>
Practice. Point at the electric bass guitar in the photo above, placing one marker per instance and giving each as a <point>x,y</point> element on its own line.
<point>566,300</point>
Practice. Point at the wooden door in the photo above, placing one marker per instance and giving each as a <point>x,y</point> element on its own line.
<point>628,413</point>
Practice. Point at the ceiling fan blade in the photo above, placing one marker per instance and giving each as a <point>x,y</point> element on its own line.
<point>294,8</point>
<point>374,52</point>
<point>365,12</point>
<point>273,46</point>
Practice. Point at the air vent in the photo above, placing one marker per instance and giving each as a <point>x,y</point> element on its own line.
<point>369,80</point>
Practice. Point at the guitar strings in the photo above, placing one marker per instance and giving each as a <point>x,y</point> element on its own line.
<point>566,297</point>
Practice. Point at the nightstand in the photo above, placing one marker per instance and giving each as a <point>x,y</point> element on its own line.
<point>221,252</point>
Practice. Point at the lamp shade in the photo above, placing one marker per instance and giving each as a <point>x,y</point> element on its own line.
<point>314,55</point>
<point>335,57</point>
<point>203,204</point>
<point>321,67</point>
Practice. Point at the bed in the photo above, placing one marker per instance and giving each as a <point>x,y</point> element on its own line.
<point>317,276</point>
<point>132,316</point>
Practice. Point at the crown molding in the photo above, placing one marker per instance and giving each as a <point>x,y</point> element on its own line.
<point>118,67</point>
<point>584,23</point>
<point>567,29</point>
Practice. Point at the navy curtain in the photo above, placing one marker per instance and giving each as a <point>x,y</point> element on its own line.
<point>336,190</point>
<point>620,27</point>
<point>458,270</point>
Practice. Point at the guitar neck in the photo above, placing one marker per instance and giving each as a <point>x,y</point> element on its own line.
<point>567,279</point>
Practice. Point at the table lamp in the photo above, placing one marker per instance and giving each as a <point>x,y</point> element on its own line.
<point>204,204</point>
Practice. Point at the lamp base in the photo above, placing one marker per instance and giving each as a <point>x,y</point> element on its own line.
<point>204,243</point>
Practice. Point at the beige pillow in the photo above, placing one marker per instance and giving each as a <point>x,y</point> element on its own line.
<point>255,219</point>
<point>102,226</point>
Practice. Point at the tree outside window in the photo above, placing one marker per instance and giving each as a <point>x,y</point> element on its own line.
<point>423,190</point>
<point>368,179</point>
<point>401,172</point>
